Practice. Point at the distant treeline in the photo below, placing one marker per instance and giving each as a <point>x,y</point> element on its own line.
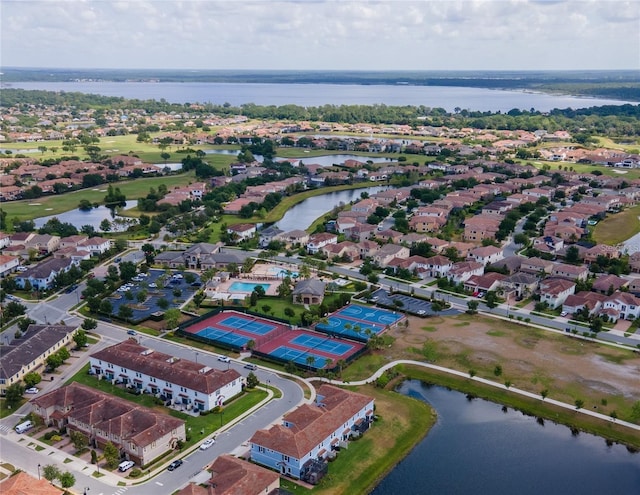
<point>609,120</point>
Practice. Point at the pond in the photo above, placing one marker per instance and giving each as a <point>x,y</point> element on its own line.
<point>93,217</point>
<point>482,448</point>
<point>322,160</point>
<point>303,214</point>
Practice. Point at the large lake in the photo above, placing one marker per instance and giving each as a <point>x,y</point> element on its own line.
<point>307,95</point>
<point>477,448</point>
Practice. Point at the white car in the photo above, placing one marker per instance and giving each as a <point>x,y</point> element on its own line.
<point>32,390</point>
<point>207,443</point>
<point>224,359</point>
<point>22,269</point>
<point>152,285</point>
<point>564,313</point>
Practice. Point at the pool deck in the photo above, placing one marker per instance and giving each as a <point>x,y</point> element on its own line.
<point>270,271</point>
<point>272,290</point>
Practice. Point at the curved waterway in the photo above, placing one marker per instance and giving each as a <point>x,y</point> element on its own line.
<point>304,213</point>
<point>478,447</point>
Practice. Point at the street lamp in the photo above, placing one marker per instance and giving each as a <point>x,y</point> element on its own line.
<point>197,356</point>
<point>38,471</point>
<point>86,490</point>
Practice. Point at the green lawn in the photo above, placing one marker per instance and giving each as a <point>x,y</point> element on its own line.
<point>403,422</point>
<point>618,227</point>
<point>194,424</point>
<point>6,411</point>
<point>52,205</point>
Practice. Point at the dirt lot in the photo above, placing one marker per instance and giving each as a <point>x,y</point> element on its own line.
<point>605,378</point>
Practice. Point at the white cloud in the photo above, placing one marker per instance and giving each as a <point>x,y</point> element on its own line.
<point>329,34</point>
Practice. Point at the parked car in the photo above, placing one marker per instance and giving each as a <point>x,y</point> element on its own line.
<point>564,313</point>
<point>224,359</point>
<point>32,390</point>
<point>207,443</point>
<point>131,332</point>
<point>153,285</point>
<point>22,269</point>
<point>250,366</point>
<point>175,464</point>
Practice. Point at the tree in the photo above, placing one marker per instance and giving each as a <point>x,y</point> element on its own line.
<point>105,225</point>
<point>473,307</point>
<point>13,394</point>
<point>125,312</point>
<point>198,298</point>
<point>67,480</point>
<point>54,361</point>
<point>89,324</point>
<point>80,338</point>
<point>252,380</point>
<point>127,270</point>
<point>165,156</point>
<point>497,370</point>
<point>79,439</point>
<point>579,403</point>
<point>111,455</point>
<point>163,303</point>
<point>31,379</point>
<point>50,472</point>
<point>171,318</point>
<point>106,307</point>
<point>544,393</point>
<point>23,324</point>
<point>491,299</point>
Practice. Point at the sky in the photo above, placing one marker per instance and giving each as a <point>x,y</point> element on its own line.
<point>322,34</point>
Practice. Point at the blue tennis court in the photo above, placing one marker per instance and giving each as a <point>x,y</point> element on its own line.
<point>369,314</point>
<point>223,336</point>
<point>247,325</point>
<point>299,357</point>
<point>325,345</point>
<point>359,322</point>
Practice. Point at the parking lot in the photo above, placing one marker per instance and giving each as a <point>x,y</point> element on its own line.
<point>158,285</point>
<point>411,305</point>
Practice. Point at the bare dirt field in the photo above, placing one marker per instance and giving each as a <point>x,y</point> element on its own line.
<point>606,378</point>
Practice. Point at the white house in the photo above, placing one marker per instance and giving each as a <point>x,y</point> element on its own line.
<point>95,245</point>
<point>8,264</point>
<point>486,254</point>
<point>309,433</point>
<point>554,291</point>
<point>318,241</point>
<point>627,305</point>
<point>194,385</point>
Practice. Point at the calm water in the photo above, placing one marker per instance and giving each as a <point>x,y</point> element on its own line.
<point>93,217</point>
<point>476,448</point>
<point>303,214</point>
<point>322,160</point>
<point>323,94</point>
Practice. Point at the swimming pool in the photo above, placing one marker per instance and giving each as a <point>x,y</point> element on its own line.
<point>246,287</point>
<point>282,272</point>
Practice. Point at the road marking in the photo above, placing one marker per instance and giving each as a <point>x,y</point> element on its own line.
<point>158,483</point>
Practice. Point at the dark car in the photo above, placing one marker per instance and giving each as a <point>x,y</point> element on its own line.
<point>196,284</point>
<point>175,464</point>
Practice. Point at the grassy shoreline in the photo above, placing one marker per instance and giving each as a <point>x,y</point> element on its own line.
<point>403,422</point>
<point>571,418</point>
